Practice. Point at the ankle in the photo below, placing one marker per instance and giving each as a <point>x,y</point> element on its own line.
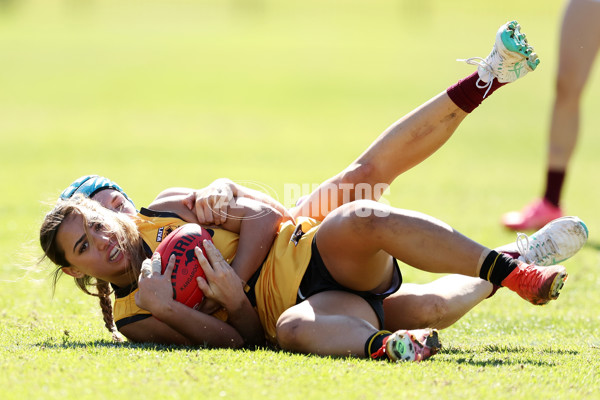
<point>467,95</point>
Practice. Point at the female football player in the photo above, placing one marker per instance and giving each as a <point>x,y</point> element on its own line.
<point>342,266</point>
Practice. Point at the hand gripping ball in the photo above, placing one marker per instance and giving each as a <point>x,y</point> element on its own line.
<point>182,242</point>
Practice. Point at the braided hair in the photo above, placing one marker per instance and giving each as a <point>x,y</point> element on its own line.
<point>104,292</point>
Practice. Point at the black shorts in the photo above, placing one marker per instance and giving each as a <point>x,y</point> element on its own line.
<point>317,279</point>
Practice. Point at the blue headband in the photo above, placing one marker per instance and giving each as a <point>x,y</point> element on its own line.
<point>89,185</point>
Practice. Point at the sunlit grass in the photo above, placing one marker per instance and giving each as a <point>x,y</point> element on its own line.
<point>157,94</point>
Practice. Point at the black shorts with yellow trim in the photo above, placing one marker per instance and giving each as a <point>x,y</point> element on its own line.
<point>317,279</point>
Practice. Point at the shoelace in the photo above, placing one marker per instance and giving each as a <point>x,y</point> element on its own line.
<point>487,67</point>
<point>379,353</point>
<point>523,247</point>
<point>529,280</point>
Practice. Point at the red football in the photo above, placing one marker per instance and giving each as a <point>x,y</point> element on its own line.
<point>182,242</point>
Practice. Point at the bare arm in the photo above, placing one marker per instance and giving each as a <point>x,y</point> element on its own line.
<point>183,326</point>
<point>256,223</point>
<point>173,322</point>
<point>226,288</point>
<point>176,323</point>
<point>242,191</point>
<point>210,203</point>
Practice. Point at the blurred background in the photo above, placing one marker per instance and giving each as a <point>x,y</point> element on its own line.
<point>156,94</point>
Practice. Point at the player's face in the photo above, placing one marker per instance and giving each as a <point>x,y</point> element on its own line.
<point>114,200</point>
<point>94,253</point>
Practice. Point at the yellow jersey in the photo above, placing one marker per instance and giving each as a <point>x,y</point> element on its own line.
<point>279,278</point>
<point>154,227</point>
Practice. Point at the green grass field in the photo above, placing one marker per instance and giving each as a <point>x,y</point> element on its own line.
<point>157,94</point>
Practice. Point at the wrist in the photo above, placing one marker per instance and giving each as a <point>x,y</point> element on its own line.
<point>237,305</point>
<point>163,308</point>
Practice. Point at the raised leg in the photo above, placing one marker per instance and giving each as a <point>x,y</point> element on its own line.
<point>416,136</point>
<point>403,145</point>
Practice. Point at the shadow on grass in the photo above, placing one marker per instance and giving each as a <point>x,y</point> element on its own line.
<point>491,355</point>
<point>506,355</point>
<point>75,344</point>
<point>68,343</point>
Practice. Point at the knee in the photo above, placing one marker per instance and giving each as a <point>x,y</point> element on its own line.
<point>357,173</point>
<point>361,181</point>
<point>433,312</point>
<point>568,90</point>
<point>362,215</point>
<point>289,331</point>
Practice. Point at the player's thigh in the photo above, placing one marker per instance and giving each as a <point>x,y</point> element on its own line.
<point>313,312</point>
<point>579,42</point>
<point>349,244</point>
<point>328,323</point>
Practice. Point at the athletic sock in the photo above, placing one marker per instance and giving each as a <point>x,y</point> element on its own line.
<point>496,287</point>
<point>375,345</point>
<point>466,95</point>
<point>496,267</point>
<point>554,184</point>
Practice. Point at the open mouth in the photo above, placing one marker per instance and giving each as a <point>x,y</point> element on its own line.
<point>115,252</point>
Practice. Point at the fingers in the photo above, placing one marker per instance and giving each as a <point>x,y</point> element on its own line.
<point>204,286</point>
<point>205,215</point>
<point>219,204</point>
<point>212,204</point>
<point>204,211</point>
<point>213,261</point>
<point>208,272</point>
<point>204,264</point>
<point>156,263</point>
<point>170,266</point>
<point>146,270</point>
<point>190,200</point>
<point>215,210</point>
<point>214,255</point>
<point>153,267</point>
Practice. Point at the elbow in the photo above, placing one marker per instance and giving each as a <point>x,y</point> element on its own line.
<point>234,342</point>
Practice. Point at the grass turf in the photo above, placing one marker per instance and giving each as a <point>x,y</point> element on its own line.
<point>157,94</point>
